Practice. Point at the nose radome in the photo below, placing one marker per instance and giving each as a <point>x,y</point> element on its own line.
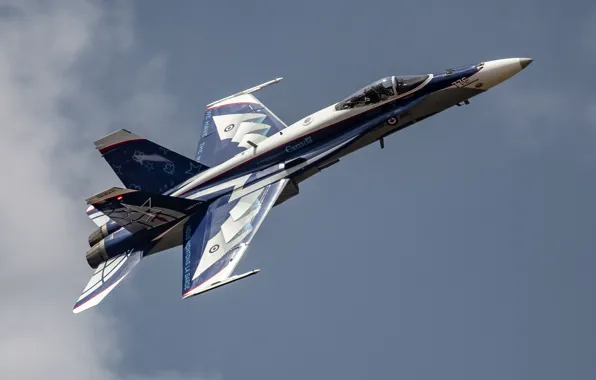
<point>524,62</point>
<point>498,71</point>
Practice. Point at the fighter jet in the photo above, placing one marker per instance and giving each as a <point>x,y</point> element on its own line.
<point>247,162</point>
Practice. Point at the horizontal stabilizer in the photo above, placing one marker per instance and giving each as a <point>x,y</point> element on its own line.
<point>217,284</point>
<point>144,165</point>
<point>138,210</point>
<point>107,275</point>
<point>97,216</point>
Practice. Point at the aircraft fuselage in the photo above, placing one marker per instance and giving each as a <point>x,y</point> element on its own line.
<point>322,138</point>
<point>332,132</point>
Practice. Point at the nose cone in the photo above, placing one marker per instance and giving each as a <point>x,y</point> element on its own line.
<point>495,72</point>
<point>524,62</point>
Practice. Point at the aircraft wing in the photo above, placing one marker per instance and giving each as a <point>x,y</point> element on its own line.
<point>214,244</point>
<point>231,124</point>
<point>105,278</point>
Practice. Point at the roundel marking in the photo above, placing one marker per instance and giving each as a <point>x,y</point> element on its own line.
<point>307,120</point>
<point>214,248</point>
<point>478,85</point>
<point>229,128</point>
<point>392,121</point>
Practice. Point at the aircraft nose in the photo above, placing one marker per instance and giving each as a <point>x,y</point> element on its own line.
<point>497,71</point>
<point>524,62</point>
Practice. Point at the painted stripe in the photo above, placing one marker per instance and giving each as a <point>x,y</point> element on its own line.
<point>102,150</point>
<point>276,176</point>
<point>79,307</point>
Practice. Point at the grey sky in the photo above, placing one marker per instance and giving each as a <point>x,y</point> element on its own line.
<point>464,250</point>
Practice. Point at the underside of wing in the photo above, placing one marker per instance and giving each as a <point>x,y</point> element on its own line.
<point>214,244</point>
<point>233,124</point>
<point>105,278</point>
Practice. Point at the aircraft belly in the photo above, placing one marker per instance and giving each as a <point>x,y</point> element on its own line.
<point>168,239</point>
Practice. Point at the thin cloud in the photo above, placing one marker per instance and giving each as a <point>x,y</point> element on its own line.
<point>43,226</point>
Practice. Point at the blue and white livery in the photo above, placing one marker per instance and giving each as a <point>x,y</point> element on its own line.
<point>247,162</point>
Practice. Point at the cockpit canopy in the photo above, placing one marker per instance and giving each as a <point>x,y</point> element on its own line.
<point>382,90</point>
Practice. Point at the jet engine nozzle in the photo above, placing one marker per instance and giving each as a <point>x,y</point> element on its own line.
<point>97,254</point>
<point>102,232</point>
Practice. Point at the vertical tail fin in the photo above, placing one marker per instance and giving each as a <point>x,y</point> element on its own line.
<point>144,165</point>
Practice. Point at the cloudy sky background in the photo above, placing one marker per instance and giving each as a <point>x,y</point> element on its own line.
<point>464,250</point>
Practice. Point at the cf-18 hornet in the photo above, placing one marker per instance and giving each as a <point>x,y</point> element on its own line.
<point>247,162</point>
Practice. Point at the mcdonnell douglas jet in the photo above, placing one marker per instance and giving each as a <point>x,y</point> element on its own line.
<point>247,162</point>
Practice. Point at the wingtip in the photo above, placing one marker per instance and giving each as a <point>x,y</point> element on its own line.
<point>87,304</point>
<point>203,288</point>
